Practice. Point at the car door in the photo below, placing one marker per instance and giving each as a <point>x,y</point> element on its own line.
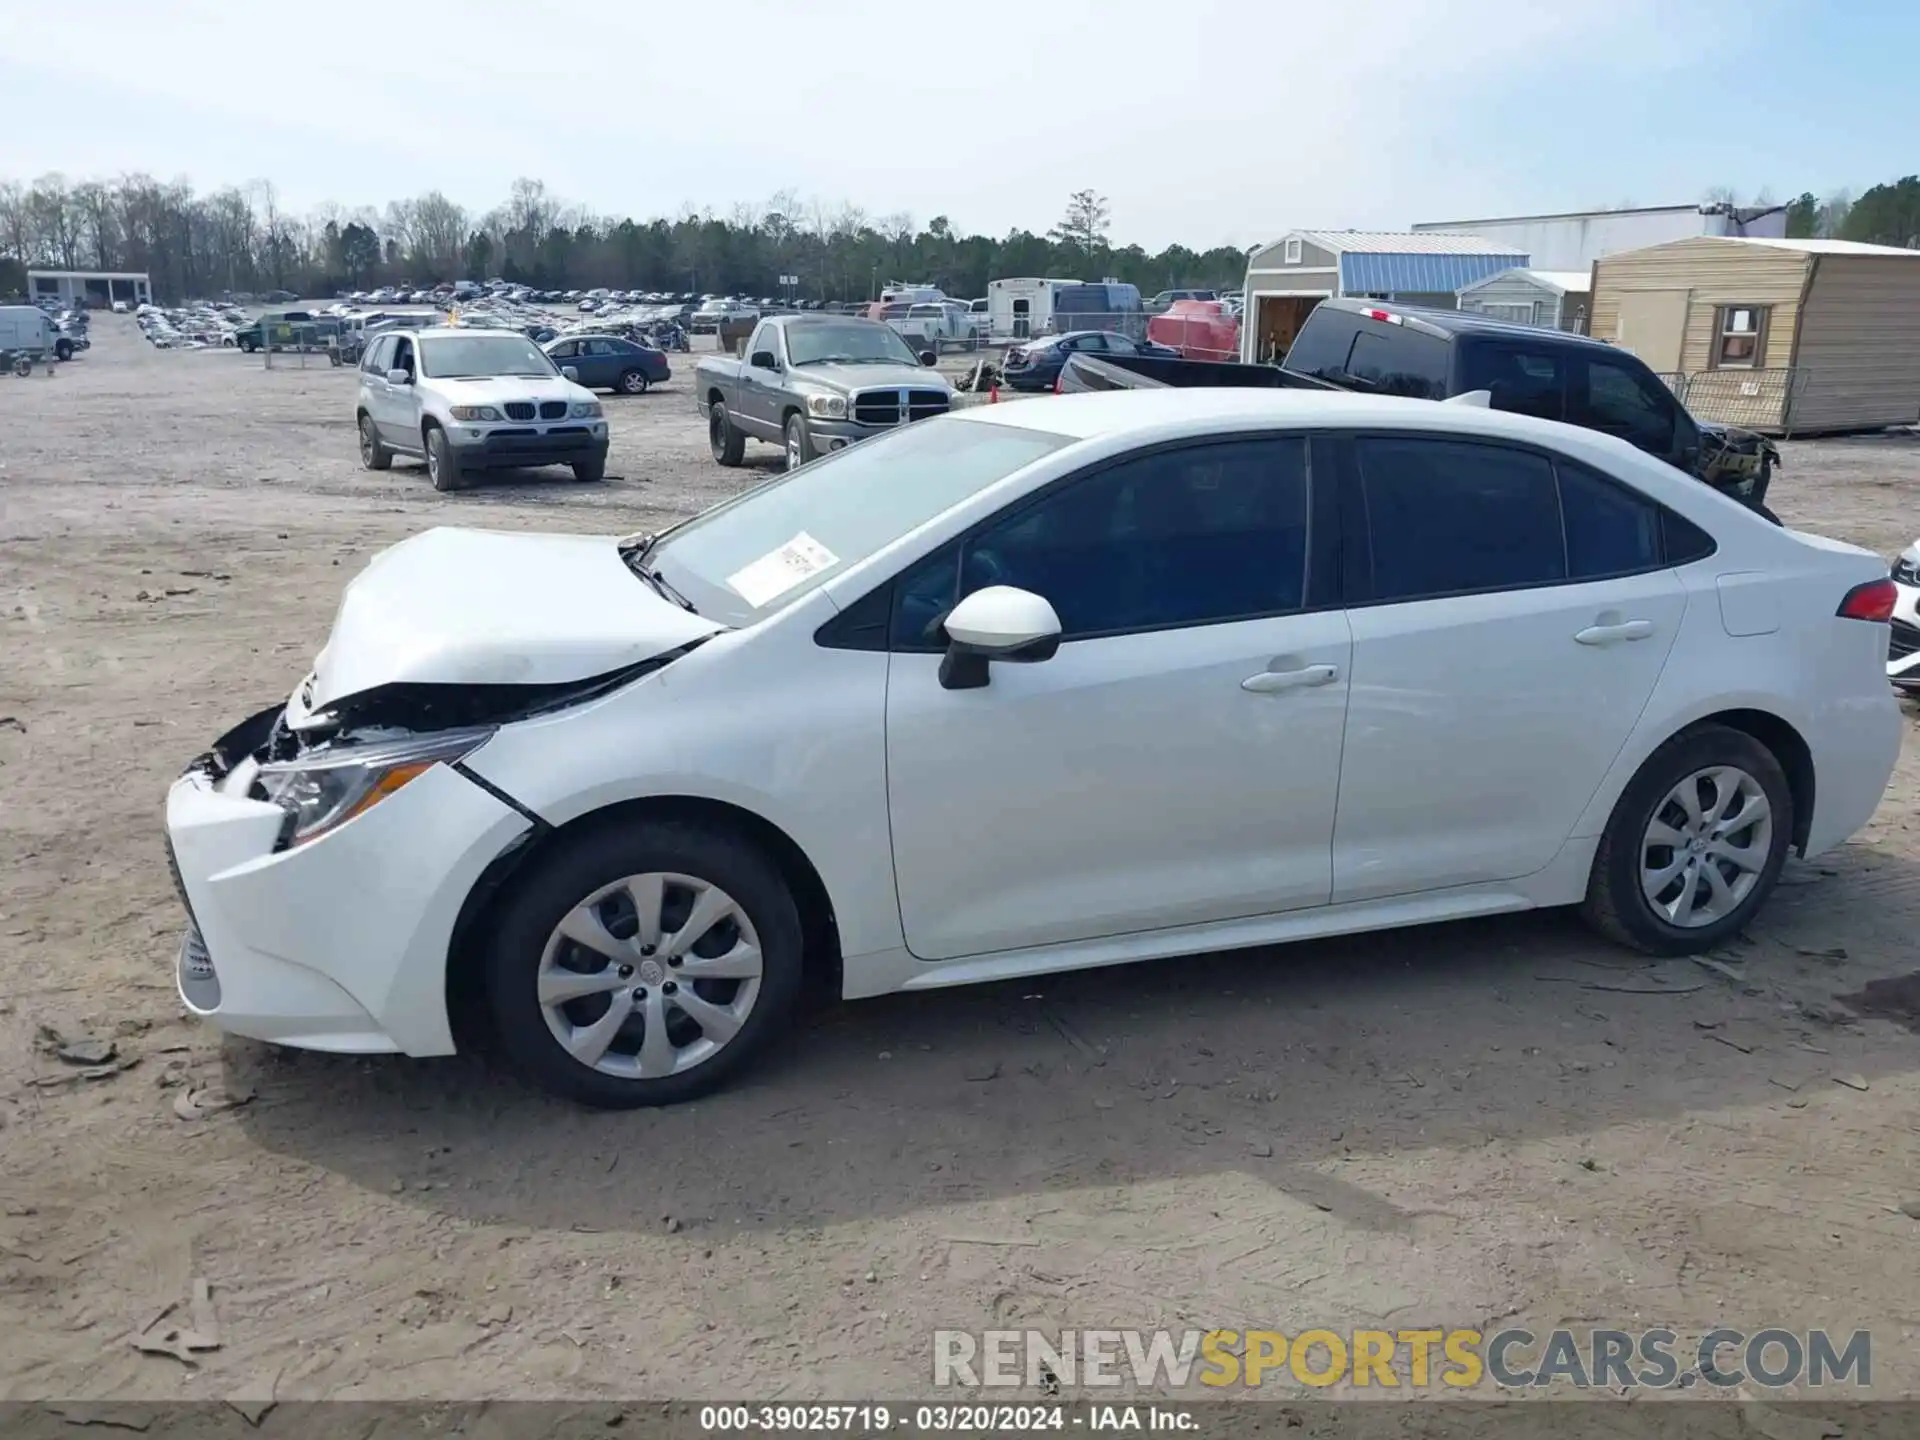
<point>567,353</point>
<point>1177,760</point>
<point>605,361</point>
<point>1622,398</point>
<point>373,368</point>
<point>760,391</point>
<point>400,417</point>
<point>1511,614</point>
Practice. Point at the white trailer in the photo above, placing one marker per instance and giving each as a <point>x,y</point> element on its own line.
<point>1019,308</point>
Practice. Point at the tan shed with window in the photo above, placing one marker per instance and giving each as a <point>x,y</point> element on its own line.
<point>1778,335</point>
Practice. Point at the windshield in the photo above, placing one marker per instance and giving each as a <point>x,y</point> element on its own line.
<point>847,340</point>
<point>764,549</point>
<point>473,357</point>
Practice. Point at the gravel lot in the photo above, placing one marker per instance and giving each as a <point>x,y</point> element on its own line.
<point>1492,1122</point>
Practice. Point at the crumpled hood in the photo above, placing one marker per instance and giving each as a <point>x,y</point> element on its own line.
<point>484,607</point>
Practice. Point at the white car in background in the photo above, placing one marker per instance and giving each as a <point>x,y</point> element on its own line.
<point>1903,648</point>
<point>472,400</point>
<point>1024,689</point>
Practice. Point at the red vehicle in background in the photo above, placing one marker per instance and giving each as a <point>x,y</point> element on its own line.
<point>1198,329</point>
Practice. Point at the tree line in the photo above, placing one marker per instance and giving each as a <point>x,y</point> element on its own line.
<point>243,239</point>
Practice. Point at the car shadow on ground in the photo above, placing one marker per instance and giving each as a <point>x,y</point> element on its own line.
<point>1445,1037</point>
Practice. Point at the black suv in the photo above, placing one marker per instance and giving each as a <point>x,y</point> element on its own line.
<point>1377,347</point>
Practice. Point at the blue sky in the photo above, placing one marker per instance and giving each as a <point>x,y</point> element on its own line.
<point>1217,121</point>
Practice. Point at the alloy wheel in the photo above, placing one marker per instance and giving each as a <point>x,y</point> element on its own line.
<point>1706,846</point>
<point>650,976</point>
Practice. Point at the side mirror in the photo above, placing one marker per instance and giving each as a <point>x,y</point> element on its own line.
<point>929,357</point>
<point>399,377</point>
<point>569,372</point>
<point>997,623</point>
<point>764,360</point>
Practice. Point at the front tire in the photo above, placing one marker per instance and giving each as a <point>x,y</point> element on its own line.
<point>633,382</point>
<point>590,471</point>
<point>63,350</point>
<point>644,965</point>
<point>728,445</point>
<point>443,466</point>
<point>799,442</point>
<point>373,454</point>
<point>1694,845</point>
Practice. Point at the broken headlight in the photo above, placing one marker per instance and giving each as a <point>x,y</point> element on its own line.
<point>325,788</point>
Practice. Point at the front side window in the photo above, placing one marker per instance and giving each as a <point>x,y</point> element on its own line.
<point>1739,340</point>
<point>376,362</point>
<point>1198,535</point>
<point>1627,403</point>
<point>1447,517</point>
<point>402,355</point>
<point>471,357</point>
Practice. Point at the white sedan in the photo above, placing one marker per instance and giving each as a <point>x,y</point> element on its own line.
<point>1025,689</point>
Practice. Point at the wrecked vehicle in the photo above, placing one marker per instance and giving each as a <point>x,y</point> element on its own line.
<point>1377,348</point>
<point>814,384</point>
<point>627,798</point>
<point>1903,646</point>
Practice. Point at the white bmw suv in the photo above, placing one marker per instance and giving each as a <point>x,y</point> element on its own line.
<point>1023,689</point>
<point>471,400</point>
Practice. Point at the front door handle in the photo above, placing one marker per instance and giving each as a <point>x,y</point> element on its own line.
<point>1607,634</point>
<point>1271,682</point>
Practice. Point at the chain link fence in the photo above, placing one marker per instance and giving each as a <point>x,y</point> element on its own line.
<point>1751,399</point>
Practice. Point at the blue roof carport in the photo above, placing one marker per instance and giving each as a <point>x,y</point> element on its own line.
<point>1367,272</point>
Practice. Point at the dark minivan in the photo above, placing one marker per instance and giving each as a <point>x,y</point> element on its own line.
<point>1380,348</point>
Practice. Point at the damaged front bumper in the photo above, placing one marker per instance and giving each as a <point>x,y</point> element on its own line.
<point>338,942</point>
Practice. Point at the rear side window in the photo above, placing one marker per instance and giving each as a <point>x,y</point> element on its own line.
<point>1526,382</point>
<point>1400,363</point>
<point>1610,530</point>
<point>1322,346</point>
<point>1682,541</point>
<point>1448,517</point>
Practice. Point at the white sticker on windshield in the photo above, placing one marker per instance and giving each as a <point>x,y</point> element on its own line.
<point>778,571</point>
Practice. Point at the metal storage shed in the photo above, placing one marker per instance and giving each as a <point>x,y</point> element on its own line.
<point>1555,299</point>
<point>1779,335</point>
<point>1286,279</point>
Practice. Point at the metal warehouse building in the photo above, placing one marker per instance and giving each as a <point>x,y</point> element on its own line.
<point>1782,335</point>
<point>1286,279</point>
<point>98,288</point>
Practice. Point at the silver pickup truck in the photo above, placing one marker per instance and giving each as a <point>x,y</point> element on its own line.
<point>814,384</point>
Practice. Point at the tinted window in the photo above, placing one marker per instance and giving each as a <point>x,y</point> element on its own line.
<point>1184,537</point>
<point>1682,541</point>
<point>1448,516</point>
<point>376,357</point>
<point>1403,363</point>
<point>1610,530</point>
<point>1527,382</point>
<point>1121,345</point>
<point>1625,402</point>
<point>1322,346</point>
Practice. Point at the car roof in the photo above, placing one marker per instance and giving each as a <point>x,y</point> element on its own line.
<point>1452,323</point>
<point>1147,416</point>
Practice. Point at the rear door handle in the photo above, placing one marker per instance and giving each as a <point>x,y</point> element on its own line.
<point>1607,634</point>
<point>1271,682</point>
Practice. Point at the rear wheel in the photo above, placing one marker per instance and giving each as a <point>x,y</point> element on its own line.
<point>1694,845</point>
<point>633,382</point>
<point>443,466</point>
<point>373,454</point>
<point>643,966</point>
<point>729,446</point>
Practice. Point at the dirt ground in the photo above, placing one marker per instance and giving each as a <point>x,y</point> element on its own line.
<point>1488,1123</point>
